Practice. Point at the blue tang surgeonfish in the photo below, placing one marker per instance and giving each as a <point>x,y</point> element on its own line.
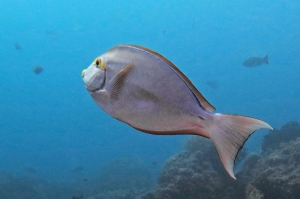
<point>146,91</point>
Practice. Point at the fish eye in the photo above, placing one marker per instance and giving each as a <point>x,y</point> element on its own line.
<point>97,62</point>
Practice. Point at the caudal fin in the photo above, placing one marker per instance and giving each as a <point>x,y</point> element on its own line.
<point>266,59</point>
<point>229,133</point>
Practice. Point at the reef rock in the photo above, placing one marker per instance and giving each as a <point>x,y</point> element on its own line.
<point>253,193</point>
<point>276,172</point>
<point>196,173</point>
<point>277,175</point>
<point>288,132</point>
<point>122,178</point>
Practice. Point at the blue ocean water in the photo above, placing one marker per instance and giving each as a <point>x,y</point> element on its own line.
<point>50,123</point>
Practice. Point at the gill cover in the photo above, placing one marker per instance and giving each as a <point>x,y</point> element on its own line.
<point>94,75</point>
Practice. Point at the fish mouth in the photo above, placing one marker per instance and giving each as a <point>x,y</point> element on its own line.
<point>90,84</point>
<point>93,78</point>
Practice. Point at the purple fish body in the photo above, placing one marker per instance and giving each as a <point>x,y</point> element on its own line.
<point>146,91</point>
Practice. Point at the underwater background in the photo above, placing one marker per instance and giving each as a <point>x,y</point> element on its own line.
<point>53,133</point>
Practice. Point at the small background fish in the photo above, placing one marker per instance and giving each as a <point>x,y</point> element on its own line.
<point>52,34</point>
<point>30,170</point>
<point>212,84</point>
<point>38,69</point>
<point>256,61</point>
<point>17,46</point>
<point>77,169</point>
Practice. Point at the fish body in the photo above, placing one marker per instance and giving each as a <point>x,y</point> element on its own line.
<point>146,91</point>
<point>212,84</point>
<point>256,61</point>
<point>38,69</point>
<point>77,169</point>
<point>53,35</point>
<point>30,170</point>
<point>17,46</point>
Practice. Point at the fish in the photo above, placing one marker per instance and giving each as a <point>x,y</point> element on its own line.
<point>30,170</point>
<point>53,35</point>
<point>145,90</point>
<point>212,84</point>
<point>17,46</point>
<point>256,61</point>
<point>77,169</point>
<point>77,197</point>
<point>38,69</point>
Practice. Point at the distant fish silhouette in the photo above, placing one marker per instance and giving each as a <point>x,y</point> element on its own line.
<point>77,197</point>
<point>17,46</point>
<point>38,69</point>
<point>30,170</point>
<point>256,61</point>
<point>212,84</point>
<point>52,34</point>
<point>77,169</point>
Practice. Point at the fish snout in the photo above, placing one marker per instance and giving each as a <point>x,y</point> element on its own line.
<point>83,72</point>
<point>93,78</point>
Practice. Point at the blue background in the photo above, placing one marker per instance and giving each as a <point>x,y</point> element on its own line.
<point>50,123</point>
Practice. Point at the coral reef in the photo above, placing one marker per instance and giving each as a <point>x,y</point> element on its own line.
<point>196,173</point>
<point>288,132</point>
<point>277,174</point>
<point>124,174</point>
<point>21,187</point>
<point>253,193</point>
<point>117,194</point>
<point>122,178</point>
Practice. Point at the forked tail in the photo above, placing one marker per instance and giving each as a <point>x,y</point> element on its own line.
<point>229,133</point>
<point>266,59</point>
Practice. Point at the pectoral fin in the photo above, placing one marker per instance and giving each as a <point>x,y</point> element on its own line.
<point>120,80</point>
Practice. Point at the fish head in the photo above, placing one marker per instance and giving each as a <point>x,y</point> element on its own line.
<point>94,76</point>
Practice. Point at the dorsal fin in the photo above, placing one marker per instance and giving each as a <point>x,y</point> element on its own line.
<point>201,99</point>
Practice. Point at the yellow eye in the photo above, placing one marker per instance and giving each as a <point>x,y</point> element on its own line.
<point>99,63</point>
